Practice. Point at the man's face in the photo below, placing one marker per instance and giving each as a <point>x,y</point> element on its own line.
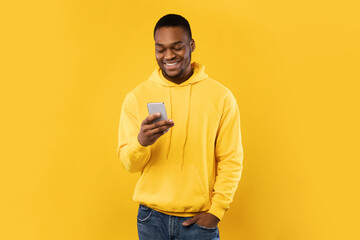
<point>173,52</point>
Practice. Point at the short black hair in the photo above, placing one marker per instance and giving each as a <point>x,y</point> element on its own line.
<point>173,20</point>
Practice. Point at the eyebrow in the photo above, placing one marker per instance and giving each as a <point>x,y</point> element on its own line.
<point>159,44</point>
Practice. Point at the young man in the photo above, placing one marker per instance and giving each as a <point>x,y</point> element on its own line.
<point>191,163</point>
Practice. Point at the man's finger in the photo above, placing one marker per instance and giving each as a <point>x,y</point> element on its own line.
<point>161,124</point>
<point>190,221</point>
<point>151,117</point>
<point>158,130</point>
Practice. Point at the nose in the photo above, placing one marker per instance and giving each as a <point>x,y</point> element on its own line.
<point>169,54</point>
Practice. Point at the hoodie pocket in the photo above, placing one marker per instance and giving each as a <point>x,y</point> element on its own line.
<point>172,188</point>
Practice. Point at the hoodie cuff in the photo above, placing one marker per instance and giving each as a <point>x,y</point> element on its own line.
<point>137,147</point>
<point>134,156</point>
<point>134,147</point>
<point>217,210</point>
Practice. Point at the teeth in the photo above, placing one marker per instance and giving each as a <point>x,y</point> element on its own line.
<point>171,64</point>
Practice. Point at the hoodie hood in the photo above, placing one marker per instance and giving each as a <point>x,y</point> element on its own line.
<point>197,76</point>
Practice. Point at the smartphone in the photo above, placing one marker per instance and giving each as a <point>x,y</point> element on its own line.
<point>155,107</point>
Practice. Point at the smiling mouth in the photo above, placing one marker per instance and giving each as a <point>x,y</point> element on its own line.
<point>171,64</point>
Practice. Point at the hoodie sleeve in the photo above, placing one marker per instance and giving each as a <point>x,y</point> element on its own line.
<point>229,158</point>
<point>133,156</point>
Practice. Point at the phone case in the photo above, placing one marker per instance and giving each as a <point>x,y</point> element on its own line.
<point>156,107</point>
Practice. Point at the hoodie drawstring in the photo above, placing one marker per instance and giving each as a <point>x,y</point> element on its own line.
<point>187,127</point>
<point>189,87</point>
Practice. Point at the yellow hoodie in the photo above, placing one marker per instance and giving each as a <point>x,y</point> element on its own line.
<point>196,166</point>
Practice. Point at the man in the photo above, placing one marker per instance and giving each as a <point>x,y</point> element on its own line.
<point>191,163</point>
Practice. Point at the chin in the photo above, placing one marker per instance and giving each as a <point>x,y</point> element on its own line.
<point>172,74</point>
<point>175,76</point>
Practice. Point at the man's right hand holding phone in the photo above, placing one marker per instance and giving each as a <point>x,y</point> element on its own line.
<point>150,132</point>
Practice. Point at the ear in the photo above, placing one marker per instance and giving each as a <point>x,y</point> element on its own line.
<point>192,45</point>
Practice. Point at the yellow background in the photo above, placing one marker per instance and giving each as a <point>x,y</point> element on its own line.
<point>66,66</point>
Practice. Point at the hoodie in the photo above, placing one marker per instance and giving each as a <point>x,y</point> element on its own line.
<point>196,166</point>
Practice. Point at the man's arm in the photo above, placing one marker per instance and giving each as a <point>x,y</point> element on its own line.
<point>132,154</point>
<point>134,142</point>
<point>229,157</point>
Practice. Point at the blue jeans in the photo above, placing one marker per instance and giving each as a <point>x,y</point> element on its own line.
<point>154,225</point>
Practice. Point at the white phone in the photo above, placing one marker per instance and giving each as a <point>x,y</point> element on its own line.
<point>155,107</point>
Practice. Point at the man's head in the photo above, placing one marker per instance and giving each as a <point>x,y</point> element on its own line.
<point>173,47</point>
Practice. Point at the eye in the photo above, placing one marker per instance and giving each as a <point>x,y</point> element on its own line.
<point>160,50</point>
<point>178,48</point>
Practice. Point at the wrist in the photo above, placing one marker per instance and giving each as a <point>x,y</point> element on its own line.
<point>138,138</point>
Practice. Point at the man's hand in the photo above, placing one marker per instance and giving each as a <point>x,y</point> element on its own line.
<point>203,219</point>
<point>150,132</point>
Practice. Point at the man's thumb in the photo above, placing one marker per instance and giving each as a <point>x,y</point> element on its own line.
<point>190,221</point>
